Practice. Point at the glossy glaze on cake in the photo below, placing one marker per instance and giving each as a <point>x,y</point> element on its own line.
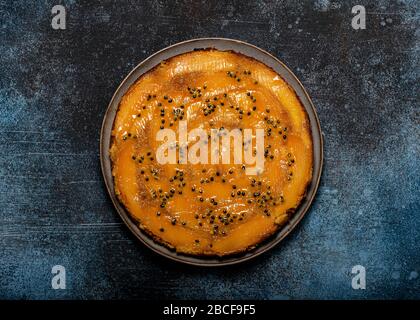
<point>211,209</point>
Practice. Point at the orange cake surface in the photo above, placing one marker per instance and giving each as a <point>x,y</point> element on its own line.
<point>214,208</point>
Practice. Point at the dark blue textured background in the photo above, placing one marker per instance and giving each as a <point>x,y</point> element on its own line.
<point>55,87</point>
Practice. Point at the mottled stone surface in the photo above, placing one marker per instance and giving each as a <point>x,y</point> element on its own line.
<point>55,87</point>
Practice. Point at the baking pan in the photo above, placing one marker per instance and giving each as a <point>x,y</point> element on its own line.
<point>220,44</point>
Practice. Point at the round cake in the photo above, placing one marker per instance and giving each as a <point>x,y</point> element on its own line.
<point>183,144</point>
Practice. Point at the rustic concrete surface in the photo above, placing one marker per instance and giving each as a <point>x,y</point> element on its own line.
<point>55,86</point>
